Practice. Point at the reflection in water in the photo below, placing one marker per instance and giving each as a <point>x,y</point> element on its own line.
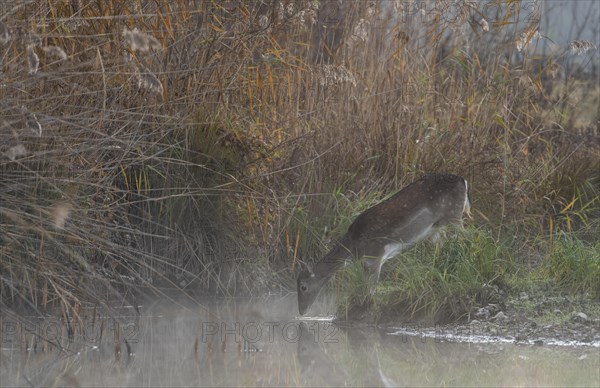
<point>318,366</point>
<point>262,343</point>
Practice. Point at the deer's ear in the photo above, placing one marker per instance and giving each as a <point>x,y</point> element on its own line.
<point>305,267</point>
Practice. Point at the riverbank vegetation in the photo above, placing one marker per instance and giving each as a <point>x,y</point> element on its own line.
<point>214,146</point>
<point>471,270</point>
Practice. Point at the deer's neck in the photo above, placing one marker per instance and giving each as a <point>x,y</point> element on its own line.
<point>333,261</point>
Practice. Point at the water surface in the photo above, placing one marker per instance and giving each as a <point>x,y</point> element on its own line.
<point>262,342</point>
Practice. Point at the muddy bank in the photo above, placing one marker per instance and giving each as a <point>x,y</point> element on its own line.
<point>526,318</point>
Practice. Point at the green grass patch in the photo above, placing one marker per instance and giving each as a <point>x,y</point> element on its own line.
<point>437,282</point>
<point>447,282</point>
<point>574,265</point>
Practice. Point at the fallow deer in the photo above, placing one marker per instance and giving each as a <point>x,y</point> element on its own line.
<point>417,212</point>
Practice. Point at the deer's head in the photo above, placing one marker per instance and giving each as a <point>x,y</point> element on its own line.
<point>309,286</point>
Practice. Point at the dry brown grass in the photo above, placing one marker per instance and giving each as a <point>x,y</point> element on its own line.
<point>194,144</point>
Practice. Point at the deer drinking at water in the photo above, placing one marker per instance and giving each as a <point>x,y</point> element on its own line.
<point>417,212</point>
